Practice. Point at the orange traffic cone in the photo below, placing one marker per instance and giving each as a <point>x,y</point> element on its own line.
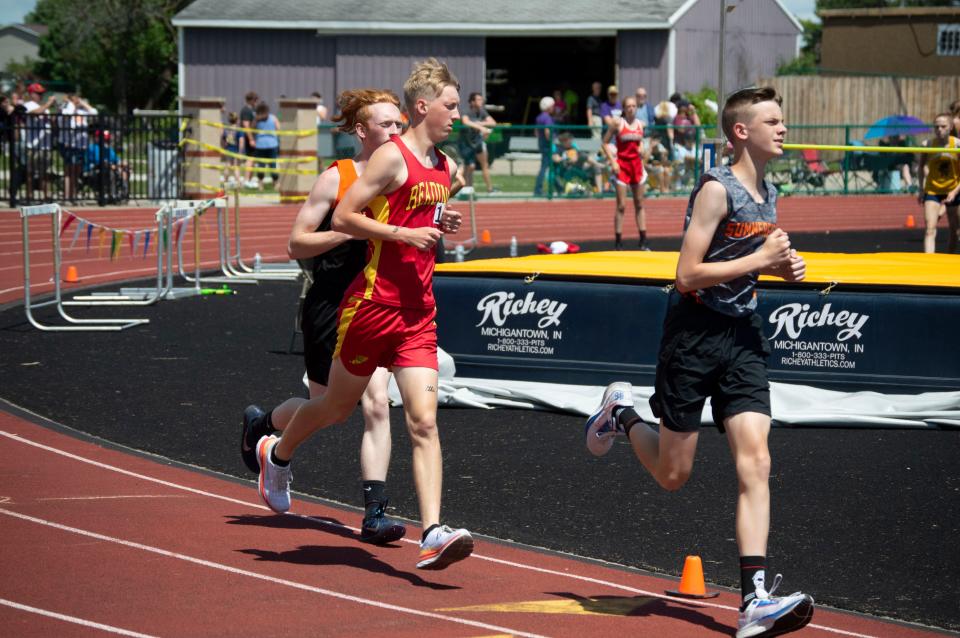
<point>911,222</point>
<point>691,582</point>
<point>485,237</point>
<point>71,277</point>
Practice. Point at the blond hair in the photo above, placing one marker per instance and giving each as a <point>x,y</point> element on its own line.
<point>355,106</point>
<point>427,80</point>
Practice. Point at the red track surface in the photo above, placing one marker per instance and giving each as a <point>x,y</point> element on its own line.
<point>101,536</point>
<point>266,229</point>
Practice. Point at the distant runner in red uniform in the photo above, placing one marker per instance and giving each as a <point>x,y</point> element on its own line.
<point>627,168</point>
<point>387,316</point>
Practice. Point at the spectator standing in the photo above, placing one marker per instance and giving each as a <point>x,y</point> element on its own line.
<point>472,142</point>
<point>594,121</point>
<point>247,118</point>
<point>612,108</point>
<point>572,101</point>
<point>74,137</point>
<point>645,112</point>
<point>232,140</point>
<point>37,137</point>
<point>560,111</point>
<point>544,142</point>
<point>266,141</point>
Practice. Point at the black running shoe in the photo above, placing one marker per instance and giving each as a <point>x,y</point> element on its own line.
<point>380,529</point>
<point>251,416</point>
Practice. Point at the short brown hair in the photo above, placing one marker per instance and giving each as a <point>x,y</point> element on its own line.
<point>251,96</point>
<point>355,106</point>
<point>737,104</point>
<point>428,79</point>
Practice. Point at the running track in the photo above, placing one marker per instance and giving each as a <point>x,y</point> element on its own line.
<point>100,541</point>
<point>266,229</point>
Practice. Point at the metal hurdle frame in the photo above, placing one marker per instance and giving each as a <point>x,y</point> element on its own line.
<point>197,207</point>
<point>132,296</point>
<point>54,210</point>
<point>267,271</point>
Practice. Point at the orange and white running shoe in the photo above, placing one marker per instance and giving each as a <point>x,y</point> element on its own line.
<point>444,546</point>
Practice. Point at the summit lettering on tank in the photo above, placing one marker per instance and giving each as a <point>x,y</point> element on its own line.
<point>427,194</point>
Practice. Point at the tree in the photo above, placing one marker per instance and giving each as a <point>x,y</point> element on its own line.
<point>121,53</point>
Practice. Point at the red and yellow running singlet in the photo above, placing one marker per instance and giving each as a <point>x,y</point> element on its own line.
<point>397,274</point>
<point>628,140</point>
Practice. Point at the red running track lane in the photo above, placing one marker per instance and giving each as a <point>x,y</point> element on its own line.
<point>97,537</point>
<point>266,230</point>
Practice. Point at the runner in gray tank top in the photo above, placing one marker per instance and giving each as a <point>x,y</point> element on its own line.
<point>713,346</point>
<point>739,234</point>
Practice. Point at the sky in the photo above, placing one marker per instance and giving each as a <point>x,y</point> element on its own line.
<point>801,8</point>
<point>14,10</point>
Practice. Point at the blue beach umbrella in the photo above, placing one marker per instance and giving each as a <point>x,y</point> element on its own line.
<point>896,125</point>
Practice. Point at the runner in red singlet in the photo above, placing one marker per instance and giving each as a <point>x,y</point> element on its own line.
<point>333,260</point>
<point>627,167</point>
<point>387,317</point>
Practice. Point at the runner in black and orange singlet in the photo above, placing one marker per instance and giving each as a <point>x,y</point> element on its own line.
<point>334,259</point>
<point>387,317</point>
<point>627,168</point>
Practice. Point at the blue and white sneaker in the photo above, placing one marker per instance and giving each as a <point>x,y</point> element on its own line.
<point>601,427</point>
<point>768,615</point>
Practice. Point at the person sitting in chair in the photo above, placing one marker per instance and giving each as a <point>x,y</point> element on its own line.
<point>569,163</point>
<point>104,171</point>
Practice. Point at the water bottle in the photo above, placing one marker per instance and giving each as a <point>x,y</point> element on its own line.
<point>257,261</point>
<point>458,253</point>
<point>513,246</point>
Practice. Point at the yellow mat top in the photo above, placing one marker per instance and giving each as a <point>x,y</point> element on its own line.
<point>875,269</point>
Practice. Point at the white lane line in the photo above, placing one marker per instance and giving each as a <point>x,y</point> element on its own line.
<point>270,579</point>
<point>103,498</point>
<point>73,619</point>
<point>500,561</point>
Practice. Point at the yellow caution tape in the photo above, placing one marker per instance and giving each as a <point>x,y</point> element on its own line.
<point>211,147</point>
<point>303,132</point>
<point>871,149</point>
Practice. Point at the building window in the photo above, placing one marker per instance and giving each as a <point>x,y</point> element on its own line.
<point>948,39</point>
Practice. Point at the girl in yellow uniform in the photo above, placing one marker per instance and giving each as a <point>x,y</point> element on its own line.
<point>940,173</point>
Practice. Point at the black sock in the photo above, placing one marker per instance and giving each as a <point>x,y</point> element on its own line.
<point>752,577</point>
<point>618,238</point>
<point>423,537</point>
<point>627,417</point>
<point>643,237</point>
<point>276,461</point>
<point>372,496</point>
<point>260,428</point>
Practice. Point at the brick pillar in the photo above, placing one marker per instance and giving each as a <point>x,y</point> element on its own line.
<point>209,109</point>
<point>297,114</point>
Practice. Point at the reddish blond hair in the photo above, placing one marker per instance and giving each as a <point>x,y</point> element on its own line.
<point>355,106</point>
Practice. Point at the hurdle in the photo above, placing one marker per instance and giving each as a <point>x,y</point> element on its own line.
<point>195,208</point>
<point>54,211</point>
<point>231,262</point>
<point>132,296</point>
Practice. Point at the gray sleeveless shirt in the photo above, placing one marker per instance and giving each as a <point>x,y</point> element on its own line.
<point>740,233</point>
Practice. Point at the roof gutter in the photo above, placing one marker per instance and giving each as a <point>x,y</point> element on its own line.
<point>435,28</point>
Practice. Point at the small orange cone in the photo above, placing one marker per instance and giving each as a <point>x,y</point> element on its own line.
<point>71,277</point>
<point>911,222</point>
<point>485,237</point>
<point>691,582</point>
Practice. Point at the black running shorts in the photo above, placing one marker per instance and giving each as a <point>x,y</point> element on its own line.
<point>318,321</point>
<point>704,353</point>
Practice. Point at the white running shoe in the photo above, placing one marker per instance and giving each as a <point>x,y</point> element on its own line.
<point>444,546</point>
<point>601,428</point>
<point>768,615</point>
<point>274,480</point>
